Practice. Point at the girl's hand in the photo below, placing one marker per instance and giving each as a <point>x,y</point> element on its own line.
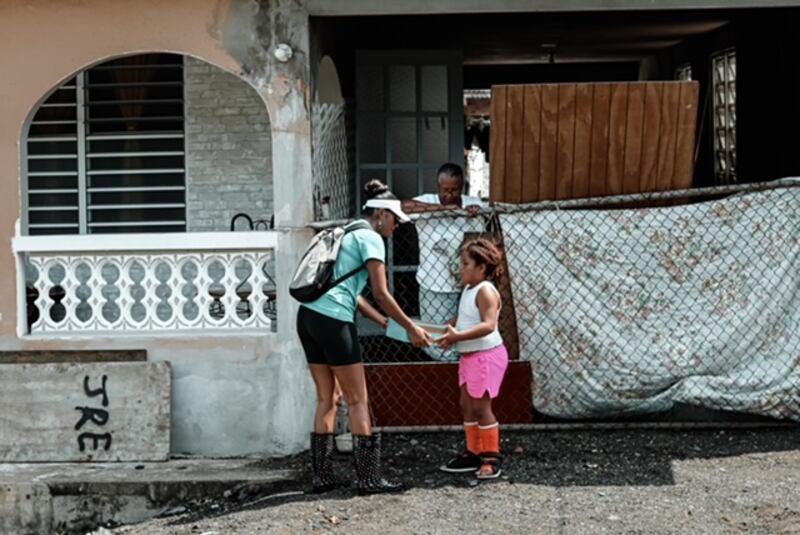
<point>449,339</point>
<point>420,337</point>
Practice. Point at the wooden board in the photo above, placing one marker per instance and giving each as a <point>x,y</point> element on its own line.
<point>684,145</point>
<point>531,142</point>
<point>548,142</point>
<point>618,117</point>
<point>634,131</point>
<point>650,137</point>
<point>567,141</point>
<point>514,143</point>
<point>581,167</point>
<point>598,165</point>
<point>498,147</point>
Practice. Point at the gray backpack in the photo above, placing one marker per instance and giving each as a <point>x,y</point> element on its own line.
<point>314,274</point>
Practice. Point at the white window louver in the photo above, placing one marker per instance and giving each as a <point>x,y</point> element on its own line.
<point>105,151</point>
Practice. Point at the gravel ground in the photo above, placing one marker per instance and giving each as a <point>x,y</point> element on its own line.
<point>632,482</point>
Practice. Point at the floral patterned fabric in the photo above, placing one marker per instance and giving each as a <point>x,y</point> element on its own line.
<point>630,311</point>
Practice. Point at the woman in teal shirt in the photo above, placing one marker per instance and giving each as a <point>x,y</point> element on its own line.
<point>327,330</point>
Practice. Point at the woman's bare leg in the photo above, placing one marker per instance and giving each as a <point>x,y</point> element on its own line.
<point>326,405</point>
<point>354,387</point>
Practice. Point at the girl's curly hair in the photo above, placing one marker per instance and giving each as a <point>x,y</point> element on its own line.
<point>485,253</point>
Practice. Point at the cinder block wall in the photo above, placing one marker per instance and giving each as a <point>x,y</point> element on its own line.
<point>228,149</point>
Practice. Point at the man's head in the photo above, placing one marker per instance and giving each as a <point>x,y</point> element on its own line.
<point>451,183</point>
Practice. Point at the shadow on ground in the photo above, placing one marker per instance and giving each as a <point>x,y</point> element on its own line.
<point>639,457</point>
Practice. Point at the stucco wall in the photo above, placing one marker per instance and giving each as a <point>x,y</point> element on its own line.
<point>233,394</point>
<point>228,149</point>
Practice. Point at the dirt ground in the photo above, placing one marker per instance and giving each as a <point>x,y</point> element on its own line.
<point>593,482</point>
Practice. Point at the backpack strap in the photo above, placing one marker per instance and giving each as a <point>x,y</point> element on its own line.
<point>358,224</point>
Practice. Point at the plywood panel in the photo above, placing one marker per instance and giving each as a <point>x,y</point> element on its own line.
<point>565,149</point>
<point>531,148</point>
<point>576,140</point>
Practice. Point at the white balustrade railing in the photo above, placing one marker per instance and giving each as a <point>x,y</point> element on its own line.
<point>145,282</point>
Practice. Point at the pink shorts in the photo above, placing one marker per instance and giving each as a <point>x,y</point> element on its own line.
<point>483,371</point>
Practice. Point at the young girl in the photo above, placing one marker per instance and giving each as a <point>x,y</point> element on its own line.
<point>483,361</point>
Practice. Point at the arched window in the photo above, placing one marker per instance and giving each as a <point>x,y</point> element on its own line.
<point>105,151</point>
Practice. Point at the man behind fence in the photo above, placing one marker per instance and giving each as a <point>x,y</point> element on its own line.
<point>440,239</point>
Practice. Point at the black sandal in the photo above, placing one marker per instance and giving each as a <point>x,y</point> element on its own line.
<point>492,460</point>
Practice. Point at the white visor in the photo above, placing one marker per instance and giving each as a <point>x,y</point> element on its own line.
<point>393,205</point>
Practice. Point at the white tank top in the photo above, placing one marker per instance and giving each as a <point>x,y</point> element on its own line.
<point>469,315</point>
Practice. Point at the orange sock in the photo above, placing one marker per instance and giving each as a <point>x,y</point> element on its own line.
<point>490,438</point>
<point>473,437</point>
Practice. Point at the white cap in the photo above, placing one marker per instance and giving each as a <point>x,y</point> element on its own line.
<point>393,205</point>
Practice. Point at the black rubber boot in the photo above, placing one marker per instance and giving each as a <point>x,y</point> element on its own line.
<point>367,456</point>
<point>322,464</point>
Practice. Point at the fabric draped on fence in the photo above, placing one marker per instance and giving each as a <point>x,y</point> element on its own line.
<point>631,311</point>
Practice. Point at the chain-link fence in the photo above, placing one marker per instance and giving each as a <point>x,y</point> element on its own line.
<point>333,192</point>
<point>676,305</point>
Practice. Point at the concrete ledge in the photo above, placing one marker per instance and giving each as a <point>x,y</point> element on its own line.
<point>53,497</point>
<point>48,356</point>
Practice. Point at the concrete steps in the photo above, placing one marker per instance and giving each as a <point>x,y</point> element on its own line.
<point>45,498</point>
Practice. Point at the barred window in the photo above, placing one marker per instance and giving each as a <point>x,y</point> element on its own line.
<point>723,66</point>
<point>105,151</point>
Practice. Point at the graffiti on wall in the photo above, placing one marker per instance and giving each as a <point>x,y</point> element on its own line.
<point>98,417</point>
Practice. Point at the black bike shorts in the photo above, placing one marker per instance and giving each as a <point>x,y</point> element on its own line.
<point>327,340</point>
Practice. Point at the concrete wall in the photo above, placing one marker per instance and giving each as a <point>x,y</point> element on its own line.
<point>233,394</point>
<point>228,149</point>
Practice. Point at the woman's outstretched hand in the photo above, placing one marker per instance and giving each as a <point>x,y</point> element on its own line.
<point>449,339</point>
<point>420,337</point>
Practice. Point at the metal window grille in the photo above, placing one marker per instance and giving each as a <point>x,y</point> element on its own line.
<point>724,83</point>
<point>684,72</point>
<point>333,183</point>
<point>409,119</point>
<point>105,151</point>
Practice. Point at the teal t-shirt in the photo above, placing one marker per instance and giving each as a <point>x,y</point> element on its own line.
<point>340,302</point>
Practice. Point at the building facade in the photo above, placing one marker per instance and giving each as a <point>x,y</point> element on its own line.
<point>114,241</point>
